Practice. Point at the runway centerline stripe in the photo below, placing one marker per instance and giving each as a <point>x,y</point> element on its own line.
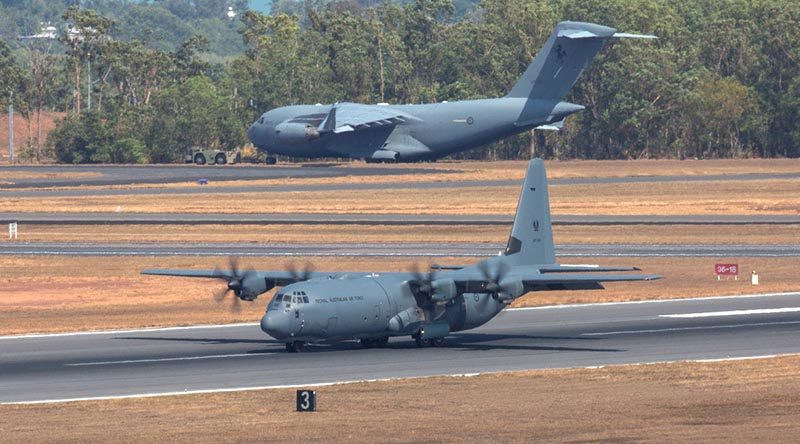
<point>714,314</point>
<point>703,327</point>
<point>186,358</point>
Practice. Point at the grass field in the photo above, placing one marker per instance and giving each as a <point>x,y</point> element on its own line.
<point>495,234</point>
<point>734,401</point>
<point>50,294</point>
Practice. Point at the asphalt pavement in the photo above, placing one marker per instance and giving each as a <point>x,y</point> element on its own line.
<point>235,357</point>
<point>162,174</point>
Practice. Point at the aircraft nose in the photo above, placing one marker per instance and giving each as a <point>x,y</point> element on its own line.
<point>251,133</point>
<point>275,325</point>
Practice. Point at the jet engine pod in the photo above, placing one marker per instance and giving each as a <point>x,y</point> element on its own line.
<point>294,133</point>
<point>443,290</point>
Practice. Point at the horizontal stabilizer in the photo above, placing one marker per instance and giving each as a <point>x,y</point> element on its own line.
<point>625,35</point>
<point>555,126</point>
<point>567,268</point>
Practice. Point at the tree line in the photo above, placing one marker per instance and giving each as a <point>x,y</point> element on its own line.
<point>721,81</point>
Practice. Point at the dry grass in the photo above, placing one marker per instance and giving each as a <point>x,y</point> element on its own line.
<point>492,234</point>
<point>671,198</point>
<point>740,401</point>
<point>49,294</point>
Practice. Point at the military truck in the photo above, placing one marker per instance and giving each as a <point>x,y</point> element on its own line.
<point>212,156</point>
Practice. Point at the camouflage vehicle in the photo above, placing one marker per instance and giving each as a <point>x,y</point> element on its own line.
<point>212,156</point>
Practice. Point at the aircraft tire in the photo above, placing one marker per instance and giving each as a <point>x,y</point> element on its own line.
<point>271,160</point>
<point>437,342</point>
<point>200,159</point>
<point>220,159</point>
<point>294,346</point>
<point>368,343</point>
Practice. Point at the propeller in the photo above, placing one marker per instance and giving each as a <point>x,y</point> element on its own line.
<point>422,283</point>
<point>305,275</point>
<point>493,280</point>
<point>235,279</point>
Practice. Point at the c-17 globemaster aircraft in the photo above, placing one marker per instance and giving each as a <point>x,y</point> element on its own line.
<point>315,307</point>
<point>393,133</point>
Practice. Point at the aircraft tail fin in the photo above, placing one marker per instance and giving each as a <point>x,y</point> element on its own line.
<point>531,240</point>
<point>565,55</point>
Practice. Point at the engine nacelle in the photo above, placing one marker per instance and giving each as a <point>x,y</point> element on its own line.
<point>253,287</point>
<point>512,289</point>
<point>407,320</point>
<point>443,290</point>
<point>294,133</point>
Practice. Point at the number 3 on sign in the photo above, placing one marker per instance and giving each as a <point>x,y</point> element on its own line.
<point>306,401</point>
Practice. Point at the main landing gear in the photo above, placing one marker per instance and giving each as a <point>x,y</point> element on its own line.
<point>433,342</point>
<point>295,346</point>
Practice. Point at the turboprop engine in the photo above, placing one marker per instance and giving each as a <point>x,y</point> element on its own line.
<point>295,133</point>
<point>510,289</point>
<point>443,290</point>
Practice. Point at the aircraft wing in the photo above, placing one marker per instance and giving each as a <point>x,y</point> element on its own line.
<point>520,280</point>
<point>270,278</point>
<point>346,117</point>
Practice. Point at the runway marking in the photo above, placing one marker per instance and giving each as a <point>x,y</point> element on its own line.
<point>703,327</point>
<point>658,301</point>
<point>358,381</point>
<point>714,314</point>
<point>249,324</point>
<point>186,358</point>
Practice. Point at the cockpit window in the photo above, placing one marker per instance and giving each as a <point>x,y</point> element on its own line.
<point>287,298</point>
<point>261,121</point>
<point>305,299</point>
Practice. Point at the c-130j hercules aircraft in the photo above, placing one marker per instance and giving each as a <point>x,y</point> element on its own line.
<point>393,133</point>
<point>372,307</point>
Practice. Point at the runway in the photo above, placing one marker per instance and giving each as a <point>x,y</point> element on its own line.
<point>238,357</point>
<point>178,174</point>
<point>103,175</point>
<point>46,218</point>
<point>428,249</point>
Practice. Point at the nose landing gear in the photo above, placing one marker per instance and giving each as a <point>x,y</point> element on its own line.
<point>295,346</point>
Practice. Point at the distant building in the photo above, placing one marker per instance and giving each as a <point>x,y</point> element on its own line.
<point>47,32</point>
